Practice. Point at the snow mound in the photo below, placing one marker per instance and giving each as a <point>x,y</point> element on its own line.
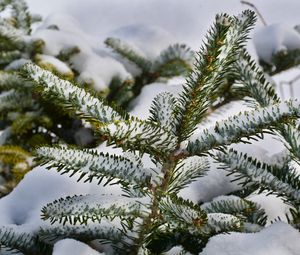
<point>59,66</point>
<point>274,38</point>
<point>62,33</point>
<point>277,239</point>
<point>150,40</point>
<point>274,206</point>
<point>39,187</point>
<point>71,246</point>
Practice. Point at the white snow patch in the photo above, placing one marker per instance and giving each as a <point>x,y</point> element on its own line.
<point>39,187</point>
<point>71,246</point>
<point>274,206</point>
<point>146,39</point>
<point>277,239</point>
<point>60,66</point>
<point>17,64</point>
<point>177,250</point>
<point>274,38</point>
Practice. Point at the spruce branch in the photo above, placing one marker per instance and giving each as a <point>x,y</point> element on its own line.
<point>254,82</point>
<point>226,37</point>
<point>281,61</point>
<point>238,207</point>
<point>94,208</point>
<point>12,236</point>
<point>182,214</point>
<point>256,10</point>
<point>143,136</point>
<point>173,61</point>
<point>128,53</point>
<point>187,171</point>
<point>120,92</point>
<point>104,231</point>
<point>90,165</point>
<point>11,38</point>
<point>241,126</point>
<point>7,57</point>
<point>70,96</point>
<point>12,100</point>
<point>150,207</point>
<point>163,111</point>
<point>291,138</point>
<point>10,154</point>
<point>254,171</point>
<point>20,14</point>
<point>221,223</point>
<point>67,53</point>
<point>28,121</point>
<point>10,80</point>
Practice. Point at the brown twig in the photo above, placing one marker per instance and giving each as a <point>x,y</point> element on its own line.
<point>256,10</point>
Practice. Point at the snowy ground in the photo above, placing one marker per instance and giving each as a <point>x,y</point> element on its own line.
<point>152,25</point>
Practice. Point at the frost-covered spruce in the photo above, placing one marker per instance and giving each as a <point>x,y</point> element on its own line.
<point>150,217</point>
<point>26,119</point>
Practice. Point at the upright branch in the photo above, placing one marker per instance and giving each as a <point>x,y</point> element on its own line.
<point>225,39</point>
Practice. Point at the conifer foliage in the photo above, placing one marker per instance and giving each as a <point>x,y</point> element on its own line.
<point>150,217</point>
<point>26,119</point>
<point>18,112</point>
<point>173,61</point>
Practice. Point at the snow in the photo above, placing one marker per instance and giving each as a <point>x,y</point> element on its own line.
<point>277,239</point>
<point>59,66</point>
<point>93,64</point>
<point>38,188</point>
<point>274,207</point>
<point>17,64</point>
<point>71,246</point>
<point>146,39</point>
<point>177,250</point>
<point>274,38</point>
<point>195,15</point>
<point>4,134</point>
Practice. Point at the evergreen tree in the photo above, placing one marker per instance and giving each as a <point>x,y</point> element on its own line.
<point>150,217</point>
<point>26,119</point>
